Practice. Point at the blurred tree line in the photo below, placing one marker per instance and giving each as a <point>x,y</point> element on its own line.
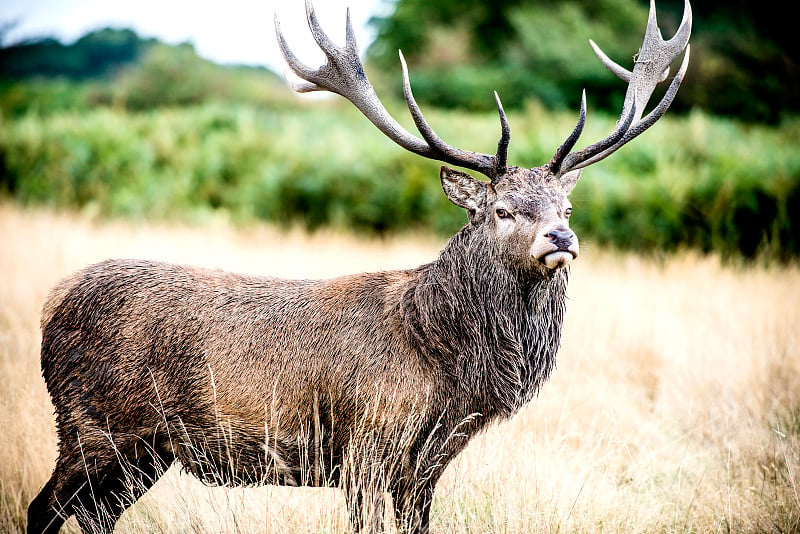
<point>45,75</point>
<point>95,54</point>
<point>744,61</point>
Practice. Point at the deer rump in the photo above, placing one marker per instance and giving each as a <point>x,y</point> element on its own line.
<point>245,380</point>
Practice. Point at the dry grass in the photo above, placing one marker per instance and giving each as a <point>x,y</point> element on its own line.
<point>675,405</point>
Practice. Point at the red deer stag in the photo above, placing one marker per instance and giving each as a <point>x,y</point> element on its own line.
<point>372,382</point>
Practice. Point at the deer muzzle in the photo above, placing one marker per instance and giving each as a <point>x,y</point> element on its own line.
<point>555,248</point>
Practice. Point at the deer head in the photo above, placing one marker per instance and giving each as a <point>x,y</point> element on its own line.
<point>524,211</point>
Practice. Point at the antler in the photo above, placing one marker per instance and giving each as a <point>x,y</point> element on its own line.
<point>343,74</point>
<point>651,66</point>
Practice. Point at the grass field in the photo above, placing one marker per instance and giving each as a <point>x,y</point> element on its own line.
<point>675,405</point>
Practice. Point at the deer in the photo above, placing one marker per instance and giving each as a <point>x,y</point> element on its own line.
<point>371,383</point>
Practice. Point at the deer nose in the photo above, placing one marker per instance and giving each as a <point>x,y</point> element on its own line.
<point>560,237</point>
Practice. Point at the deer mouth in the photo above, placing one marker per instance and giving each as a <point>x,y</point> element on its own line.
<point>554,255</point>
<point>558,259</point>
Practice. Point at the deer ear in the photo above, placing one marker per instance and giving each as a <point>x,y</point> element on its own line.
<point>569,180</point>
<point>463,190</point>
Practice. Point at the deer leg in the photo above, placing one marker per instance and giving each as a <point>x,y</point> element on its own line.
<point>412,506</point>
<point>65,494</point>
<point>97,492</point>
<point>365,508</point>
<point>44,517</point>
<point>122,485</point>
<point>105,502</point>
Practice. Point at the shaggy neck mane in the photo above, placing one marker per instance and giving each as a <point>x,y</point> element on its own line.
<point>491,331</point>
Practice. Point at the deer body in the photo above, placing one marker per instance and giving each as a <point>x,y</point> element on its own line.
<point>214,373</point>
<point>372,382</point>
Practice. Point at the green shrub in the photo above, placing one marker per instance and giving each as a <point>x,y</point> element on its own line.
<point>710,184</point>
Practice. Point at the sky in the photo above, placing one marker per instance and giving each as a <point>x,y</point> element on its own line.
<point>224,31</point>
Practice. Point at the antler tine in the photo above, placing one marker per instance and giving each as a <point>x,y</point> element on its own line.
<point>294,64</point>
<point>573,160</point>
<point>501,158</point>
<point>343,74</point>
<point>350,36</point>
<point>610,64</point>
<point>569,142</point>
<point>680,40</point>
<point>323,41</point>
<point>655,56</point>
<point>416,113</point>
<point>472,160</point>
<point>651,66</point>
<point>648,121</point>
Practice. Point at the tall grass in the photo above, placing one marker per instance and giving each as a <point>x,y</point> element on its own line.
<point>689,182</point>
<point>675,405</point>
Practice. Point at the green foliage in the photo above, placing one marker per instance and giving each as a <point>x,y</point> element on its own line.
<point>172,76</point>
<point>95,54</point>
<point>251,163</point>
<point>412,22</point>
<point>743,64</point>
<point>743,60</point>
<point>40,96</point>
<point>554,68</point>
<point>117,69</point>
<point>712,185</point>
<point>523,51</point>
<point>698,182</point>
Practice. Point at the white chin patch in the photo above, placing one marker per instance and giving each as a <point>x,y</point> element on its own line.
<point>557,260</point>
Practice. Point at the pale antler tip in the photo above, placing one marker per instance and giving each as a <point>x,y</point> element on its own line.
<point>350,36</point>
<point>497,100</point>
<point>503,119</point>
<point>617,69</point>
<point>403,64</point>
<point>501,158</point>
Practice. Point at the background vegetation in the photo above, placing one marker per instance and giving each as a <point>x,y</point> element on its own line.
<point>116,125</point>
<point>675,406</point>
<point>693,181</point>
<point>744,61</point>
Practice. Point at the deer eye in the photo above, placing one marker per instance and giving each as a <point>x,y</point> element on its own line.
<point>568,212</point>
<point>503,214</point>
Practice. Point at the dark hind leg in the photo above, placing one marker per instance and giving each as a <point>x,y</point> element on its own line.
<point>43,515</point>
<point>121,486</point>
<point>71,488</point>
<point>365,510</point>
<point>412,507</point>
<point>97,489</point>
<point>365,505</point>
